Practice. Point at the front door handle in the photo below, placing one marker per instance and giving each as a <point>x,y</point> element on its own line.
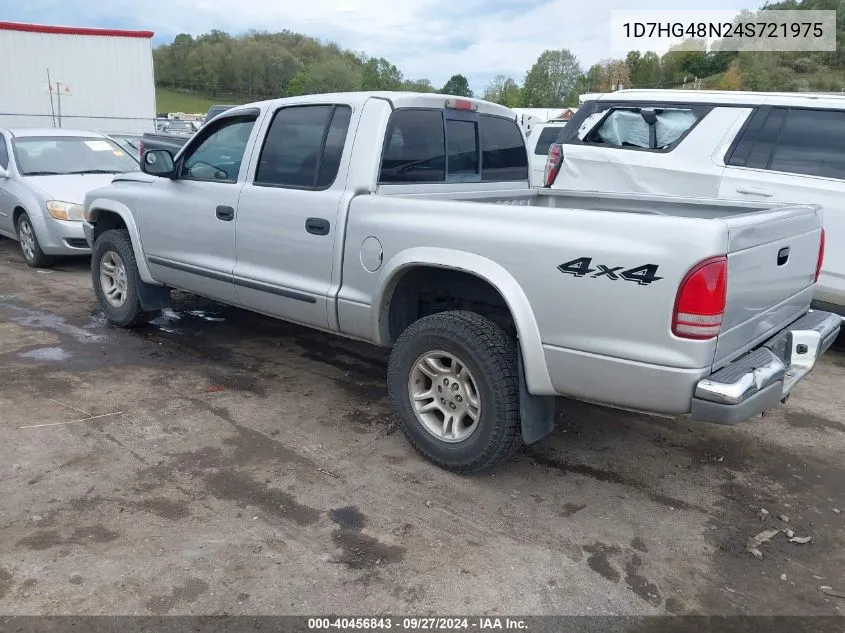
<point>755,191</point>
<point>317,226</point>
<point>227,214</point>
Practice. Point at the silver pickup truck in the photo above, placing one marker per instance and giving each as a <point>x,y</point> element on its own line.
<point>407,220</point>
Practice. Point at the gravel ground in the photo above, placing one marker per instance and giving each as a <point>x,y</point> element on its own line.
<point>222,462</point>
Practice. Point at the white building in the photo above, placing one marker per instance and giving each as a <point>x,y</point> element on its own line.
<point>99,79</point>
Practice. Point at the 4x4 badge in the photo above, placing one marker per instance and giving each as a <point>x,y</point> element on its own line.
<point>581,267</point>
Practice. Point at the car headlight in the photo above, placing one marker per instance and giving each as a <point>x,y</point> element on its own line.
<point>65,210</point>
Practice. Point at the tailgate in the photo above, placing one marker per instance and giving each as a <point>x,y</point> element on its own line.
<point>772,259</point>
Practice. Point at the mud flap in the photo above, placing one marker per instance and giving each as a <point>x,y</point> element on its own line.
<point>537,413</point>
<point>152,297</point>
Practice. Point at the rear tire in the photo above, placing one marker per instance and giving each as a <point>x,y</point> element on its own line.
<point>453,378</point>
<point>114,274</point>
<point>30,248</point>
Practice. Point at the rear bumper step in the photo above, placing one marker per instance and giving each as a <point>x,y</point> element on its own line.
<point>764,377</point>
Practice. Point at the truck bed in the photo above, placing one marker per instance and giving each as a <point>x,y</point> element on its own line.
<point>613,233</point>
<point>674,206</point>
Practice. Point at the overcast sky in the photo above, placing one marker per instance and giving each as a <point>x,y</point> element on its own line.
<point>425,38</point>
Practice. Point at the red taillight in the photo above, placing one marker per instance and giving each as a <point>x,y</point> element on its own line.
<point>821,257</point>
<point>554,160</point>
<point>701,300</point>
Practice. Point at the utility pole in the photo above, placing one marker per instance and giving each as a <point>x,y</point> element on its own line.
<point>59,94</point>
<point>50,91</point>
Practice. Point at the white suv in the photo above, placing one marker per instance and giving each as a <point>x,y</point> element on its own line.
<point>778,147</point>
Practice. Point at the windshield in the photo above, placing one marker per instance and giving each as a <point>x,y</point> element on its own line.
<point>54,155</point>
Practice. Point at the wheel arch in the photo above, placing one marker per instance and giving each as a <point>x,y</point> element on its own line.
<point>103,214</point>
<point>17,212</point>
<point>483,269</point>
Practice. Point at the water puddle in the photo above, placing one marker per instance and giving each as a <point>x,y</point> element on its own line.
<point>46,354</point>
<point>45,320</point>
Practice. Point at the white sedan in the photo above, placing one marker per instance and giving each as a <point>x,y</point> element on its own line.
<point>44,176</point>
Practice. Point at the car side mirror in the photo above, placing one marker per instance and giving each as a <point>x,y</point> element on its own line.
<point>4,173</point>
<point>158,162</point>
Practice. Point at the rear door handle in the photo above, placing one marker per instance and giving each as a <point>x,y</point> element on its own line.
<point>317,226</point>
<point>227,214</point>
<point>755,191</point>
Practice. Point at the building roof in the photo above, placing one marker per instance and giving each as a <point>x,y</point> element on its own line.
<point>72,30</point>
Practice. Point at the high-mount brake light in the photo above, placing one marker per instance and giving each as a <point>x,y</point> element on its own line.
<point>461,104</point>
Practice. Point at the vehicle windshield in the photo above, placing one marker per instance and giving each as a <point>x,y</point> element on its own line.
<point>58,155</point>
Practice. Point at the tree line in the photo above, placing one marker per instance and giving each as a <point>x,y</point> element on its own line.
<point>260,65</point>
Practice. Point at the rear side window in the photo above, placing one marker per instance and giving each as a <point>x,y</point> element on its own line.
<point>303,147</point>
<point>811,142</point>
<point>547,137</point>
<point>419,148</point>
<point>643,128</point>
<point>4,153</point>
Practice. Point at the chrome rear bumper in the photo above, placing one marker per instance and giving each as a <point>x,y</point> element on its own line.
<point>764,377</point>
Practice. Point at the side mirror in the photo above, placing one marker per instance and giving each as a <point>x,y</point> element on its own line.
<point>158,162</point>
<point>4,173</point>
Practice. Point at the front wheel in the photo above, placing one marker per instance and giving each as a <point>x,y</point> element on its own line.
<point>114,274</point>
<point>453,378</point>
<point>30,248</point>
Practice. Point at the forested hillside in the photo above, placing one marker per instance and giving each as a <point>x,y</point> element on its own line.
<point>260,65</point>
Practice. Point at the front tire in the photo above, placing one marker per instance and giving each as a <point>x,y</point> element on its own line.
<point>30,248</point>
<point>453,378</point>
<point>114,273</point>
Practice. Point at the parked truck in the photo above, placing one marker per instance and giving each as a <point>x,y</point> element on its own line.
<point>173,142</point>
<point>407,220</point>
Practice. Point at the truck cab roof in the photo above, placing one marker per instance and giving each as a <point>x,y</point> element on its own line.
<point>396,99</point>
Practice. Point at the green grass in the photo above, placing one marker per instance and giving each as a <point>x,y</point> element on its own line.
<point>172,101</point>
<point>189,103</point>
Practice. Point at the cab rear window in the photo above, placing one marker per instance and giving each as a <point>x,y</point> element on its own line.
<point>423,147</point>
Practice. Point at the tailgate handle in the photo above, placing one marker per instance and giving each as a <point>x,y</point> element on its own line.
<point>783,255</point>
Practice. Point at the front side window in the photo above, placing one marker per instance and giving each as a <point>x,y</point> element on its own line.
<point>60,155</point>
<point>4,153</point>
<point>219,154</point>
